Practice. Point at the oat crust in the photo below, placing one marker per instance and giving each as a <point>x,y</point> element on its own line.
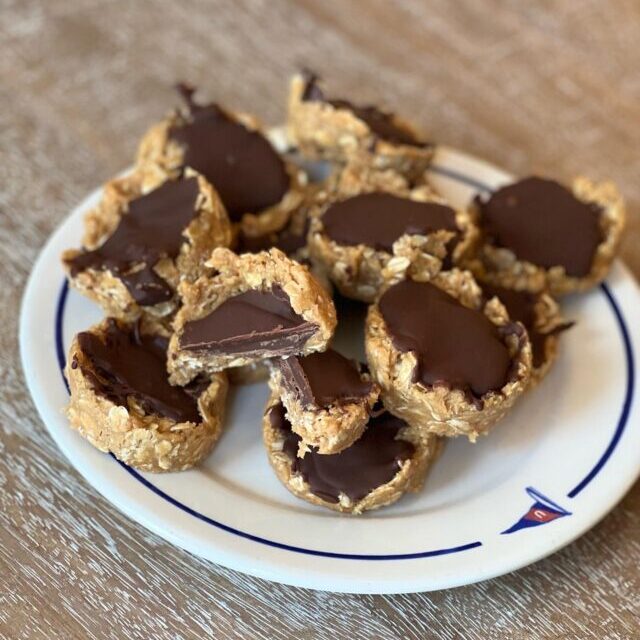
<point>328,429</point>
<point>410,477</point>
<point>440,410</point>
<point>500,266</point>
<point>324,132</point>
<point>159,156</point>
<point>232,275</point>
<point>361,272</point>
<point>209,228</point>
<point>147,442</point>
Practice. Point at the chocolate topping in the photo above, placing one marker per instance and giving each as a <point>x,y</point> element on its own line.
<point>312,91</point>
<point>368,463</point>
<point>542,222</point>
<point>126,364</point>
<point>379,219</point>
<point>321,379</point>
<point>287,239</point>
<point>381,123</point>
<point>521,307</point>
<point>454,345</point>
<point>538,345</point>
<point>244,168</point>
<point>520,304</point>
<point>152,229</point>
<point>255,244</point>
<point>254,322</point>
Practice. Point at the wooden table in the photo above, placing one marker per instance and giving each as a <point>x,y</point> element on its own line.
<point>548,86</point>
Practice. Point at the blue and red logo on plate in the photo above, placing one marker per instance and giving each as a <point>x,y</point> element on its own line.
<point>542,510</point>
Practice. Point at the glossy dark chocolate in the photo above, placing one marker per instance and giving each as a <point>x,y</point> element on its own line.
<point>368,463</point>
<point>242,165</point>
<point>152,229</point>
<point>542,222</point>
<point>321,379</point>
<point>379,219</point>
<point>381,123</point>
<point>125,364</point>
<point>254,322</point>
<point>454,345</point>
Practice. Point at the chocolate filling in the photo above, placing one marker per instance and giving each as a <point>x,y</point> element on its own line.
<point>381,123</point>
<point>542,222</point>
<point>287,239</point>
<point>454,345</point>
<point>245,169</point>
<point>151,230</point>
<point>379,219</point>
<point>368,463</point>
<point>253,323</point>
<point>126,364</point>
<point>521,307</point>
<point>321,379</point>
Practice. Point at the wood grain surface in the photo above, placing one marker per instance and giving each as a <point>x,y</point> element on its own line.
<point>546,86</point>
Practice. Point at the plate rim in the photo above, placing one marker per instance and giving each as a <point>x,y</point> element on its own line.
<point>360,588</point>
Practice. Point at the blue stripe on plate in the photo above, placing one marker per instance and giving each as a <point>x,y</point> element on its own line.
<point>628,397</point>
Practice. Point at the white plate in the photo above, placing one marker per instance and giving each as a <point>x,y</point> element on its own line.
<point>566,454</point>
